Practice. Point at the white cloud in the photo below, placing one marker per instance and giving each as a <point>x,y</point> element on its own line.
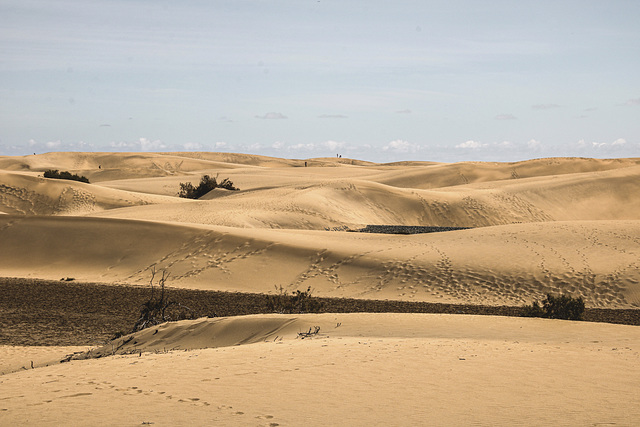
<point>323,148</point>
<point>533,144</point>
<point>401,146</point>
<point>471,144</point>
<point>618,142</point>
<point>272,116</point>
<point>148,145</point>
<point>120,144</point>
<point>506,117</point>
<point>333,145</point>
<point>301,147</point>
<point>220,144</point>
<point>53,144</point>
<point>142,144</point>
<point>192,146</point>
<point>635,101</point>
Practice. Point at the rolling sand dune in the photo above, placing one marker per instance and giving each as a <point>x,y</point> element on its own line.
<point>495,265</point>
<point>451,174</point>
<point>30,195</point>
<point>274,199</point>
<point>360,369</point>
<point>354,203</point>
<point>561,226</point>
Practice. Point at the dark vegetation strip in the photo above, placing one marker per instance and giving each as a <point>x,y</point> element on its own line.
<point>406,229</point>
<point>41,312</point>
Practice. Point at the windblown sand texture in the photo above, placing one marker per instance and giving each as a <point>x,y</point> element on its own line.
<point>561,225</point>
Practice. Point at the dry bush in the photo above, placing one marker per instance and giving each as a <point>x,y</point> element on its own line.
<point>560,307</point>
<point>55,174</point>
<point>297,302</point>
<point>159,308</point>
<point>188,191</point>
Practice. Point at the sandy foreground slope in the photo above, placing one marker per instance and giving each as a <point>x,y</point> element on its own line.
<point>547,225</point>
<point>360,369</point>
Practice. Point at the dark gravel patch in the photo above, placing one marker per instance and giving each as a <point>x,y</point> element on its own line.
<point>41,312</point>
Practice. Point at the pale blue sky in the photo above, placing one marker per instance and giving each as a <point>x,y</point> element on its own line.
<point>377,80</point>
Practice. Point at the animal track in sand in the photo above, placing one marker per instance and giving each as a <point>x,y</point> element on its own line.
<point>521,210</point>
<point>330,271</point>
<point>25,202</point>
<point>73,200</point>
<point>201,253</point>
<point>238,253</point>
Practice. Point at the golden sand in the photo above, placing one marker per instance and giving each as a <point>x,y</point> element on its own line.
<point>542,226</point>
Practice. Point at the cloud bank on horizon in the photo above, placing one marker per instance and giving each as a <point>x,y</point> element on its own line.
<point>376,80</point>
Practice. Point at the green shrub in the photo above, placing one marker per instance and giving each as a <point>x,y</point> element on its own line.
<point>188,191</point>
<point>55,174</point>
<point>298,302</point>
<point>556,307</point>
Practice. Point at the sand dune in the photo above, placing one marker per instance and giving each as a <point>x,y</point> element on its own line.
<point>496,265</point>
<point>452,174</point>
<point>20,358</point>
<point>279,193</point>
<point>359,370</point>
<point>547,225</point>
<point>319,204</point>
<point>566,225</point>
<point>30,195</point>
